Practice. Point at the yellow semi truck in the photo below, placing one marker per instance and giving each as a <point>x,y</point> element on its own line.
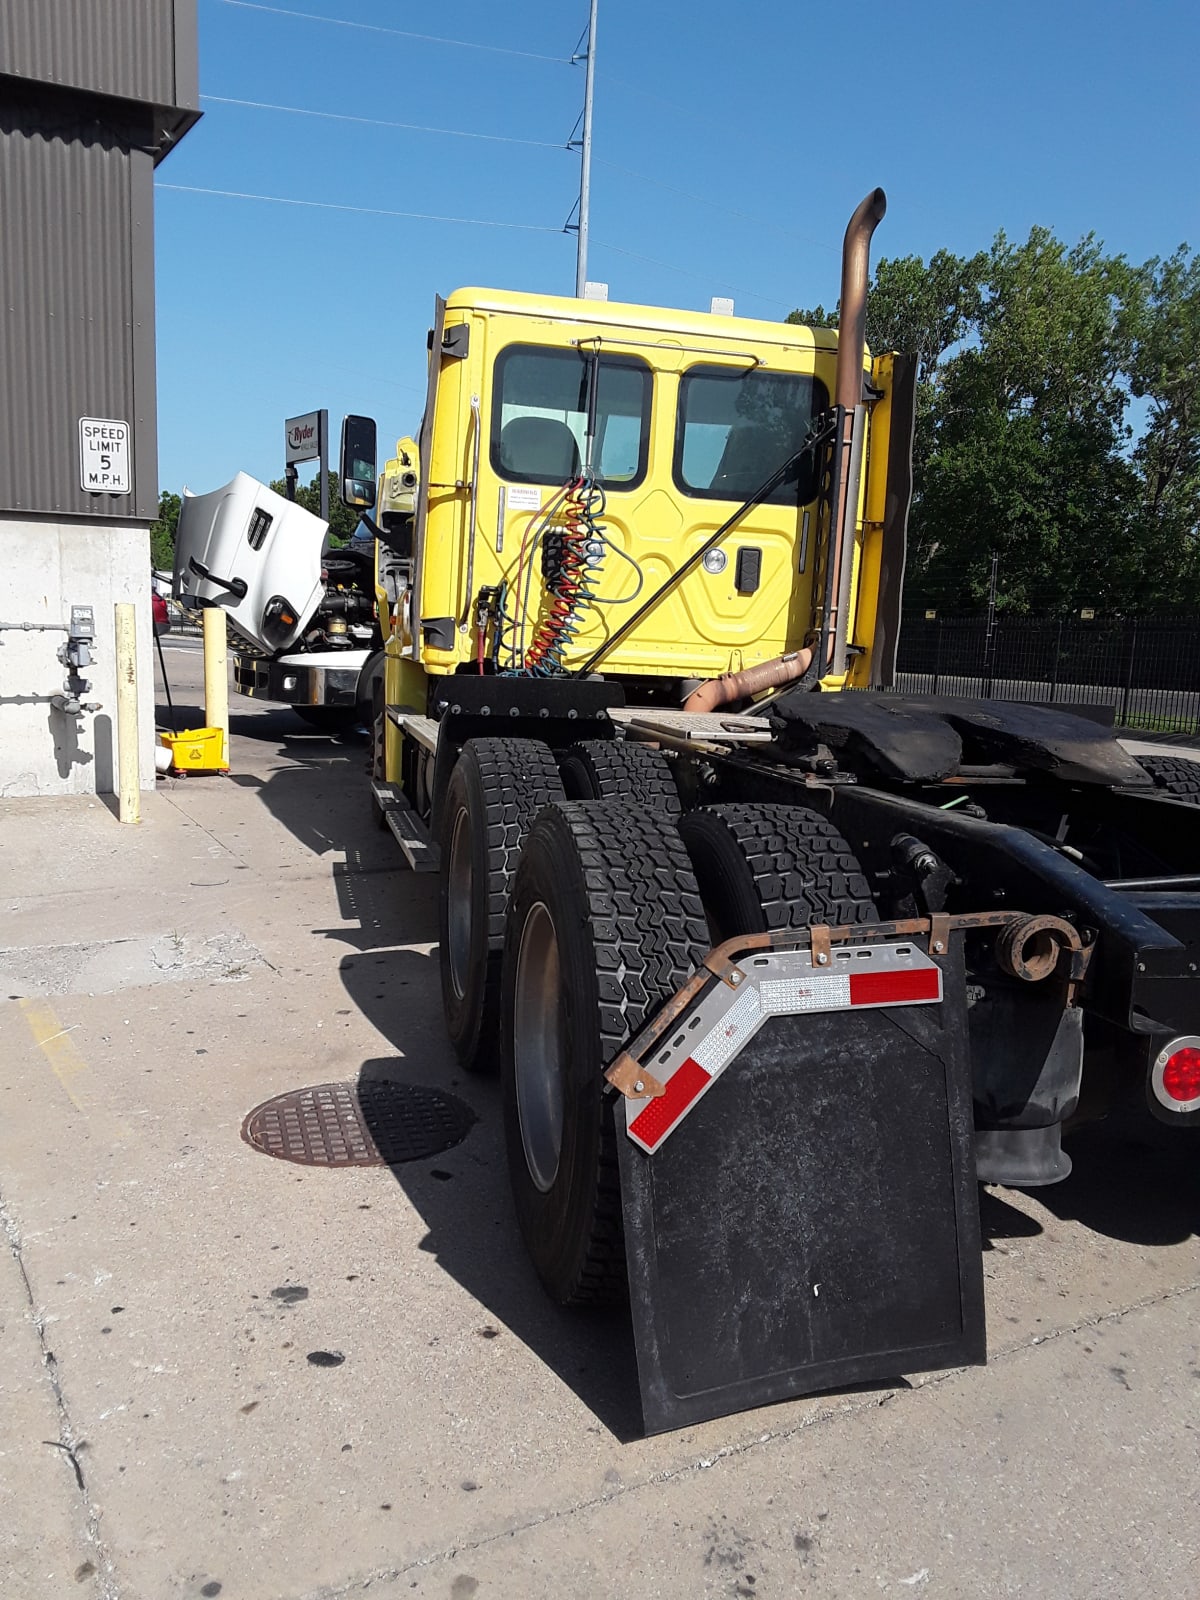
<point>773,965</point>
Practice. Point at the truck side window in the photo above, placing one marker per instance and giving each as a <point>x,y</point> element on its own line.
<point>539,416</point>
<point>734,427</point>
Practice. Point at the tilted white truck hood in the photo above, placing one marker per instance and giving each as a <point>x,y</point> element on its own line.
<point>253,553</point>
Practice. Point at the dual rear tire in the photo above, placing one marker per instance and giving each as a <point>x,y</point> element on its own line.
<point>610,914</point>
<point>605,924</point>
<point>496,789</point>
<point>567,923</point>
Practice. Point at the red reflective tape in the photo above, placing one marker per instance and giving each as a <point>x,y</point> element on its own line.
<point>655,1121</point>
<point>894,988</point>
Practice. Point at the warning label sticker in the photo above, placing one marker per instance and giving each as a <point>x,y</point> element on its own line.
<point>524,497</point>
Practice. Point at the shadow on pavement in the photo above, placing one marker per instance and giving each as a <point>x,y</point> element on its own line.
<point>999,1220</point>
<point>463,1198</point>
<point>388,965</point>
<point>1133,1179</point>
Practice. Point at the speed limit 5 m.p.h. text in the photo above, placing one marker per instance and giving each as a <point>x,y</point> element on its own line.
<point>104,456</point>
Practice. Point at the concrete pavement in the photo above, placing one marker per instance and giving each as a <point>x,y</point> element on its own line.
<point>163,1432</point>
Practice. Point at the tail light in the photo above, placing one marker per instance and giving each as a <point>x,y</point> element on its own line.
<point>1175,1075</point>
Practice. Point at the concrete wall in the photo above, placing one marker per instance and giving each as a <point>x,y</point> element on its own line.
<point>48,567</point>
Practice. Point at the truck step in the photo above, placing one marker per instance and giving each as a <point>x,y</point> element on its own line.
<point>712,727</point>
<point>422,730</point>
<point>411,833</point>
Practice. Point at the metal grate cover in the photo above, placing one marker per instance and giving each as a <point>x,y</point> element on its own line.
<point>371,1124</point>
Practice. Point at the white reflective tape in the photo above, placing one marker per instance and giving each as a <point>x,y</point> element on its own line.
<point>786,996</point>
<point>718,1048</point>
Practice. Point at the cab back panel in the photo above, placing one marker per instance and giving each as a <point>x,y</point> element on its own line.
<point>708,624</point>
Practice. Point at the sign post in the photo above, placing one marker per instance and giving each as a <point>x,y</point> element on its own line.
<point>304,439</point>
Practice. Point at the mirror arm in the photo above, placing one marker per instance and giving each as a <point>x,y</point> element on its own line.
<point>381,534</point>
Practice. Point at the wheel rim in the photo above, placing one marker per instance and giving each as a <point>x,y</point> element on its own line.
<point>458,903</point>
<point>537,1047</point>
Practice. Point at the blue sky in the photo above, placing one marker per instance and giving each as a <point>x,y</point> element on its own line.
<point>722,164</point>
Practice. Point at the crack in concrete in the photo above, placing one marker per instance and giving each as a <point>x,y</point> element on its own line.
<point>68,1442</point>
<point>868,1402</point>
<point>1036,1339</point>
<point>196,823</point>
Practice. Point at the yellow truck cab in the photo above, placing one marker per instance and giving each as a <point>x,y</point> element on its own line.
<point>674,419</point>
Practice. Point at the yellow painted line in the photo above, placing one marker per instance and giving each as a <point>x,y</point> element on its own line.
<point>64,1059</point>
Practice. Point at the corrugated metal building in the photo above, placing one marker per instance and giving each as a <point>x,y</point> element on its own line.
<point>93,94</point>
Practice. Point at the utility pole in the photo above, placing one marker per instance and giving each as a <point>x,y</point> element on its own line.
<point>585,160</point>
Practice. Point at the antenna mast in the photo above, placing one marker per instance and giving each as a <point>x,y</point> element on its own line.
<point>585,161</point>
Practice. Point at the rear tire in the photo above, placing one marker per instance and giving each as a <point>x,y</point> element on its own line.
<point>496,789</point>
<point>605,923</point>
<point>771,867</point>
<point>1176,774</point>
<point>613,769</point>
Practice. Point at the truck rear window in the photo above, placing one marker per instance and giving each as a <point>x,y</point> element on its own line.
<point>540,411</point>
<point>734,427</point>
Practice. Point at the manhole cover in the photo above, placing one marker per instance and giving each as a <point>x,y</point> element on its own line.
<point>358,1125</point>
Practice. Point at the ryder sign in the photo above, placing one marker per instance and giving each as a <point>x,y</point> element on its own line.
<point>302,437</point>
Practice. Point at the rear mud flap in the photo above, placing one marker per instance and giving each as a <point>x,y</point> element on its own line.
<point>813,1224</point>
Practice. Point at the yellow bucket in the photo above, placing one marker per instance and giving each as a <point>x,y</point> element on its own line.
<point>196,750</point>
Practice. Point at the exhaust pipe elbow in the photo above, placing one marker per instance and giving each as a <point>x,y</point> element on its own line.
<point>852,315</point>
<point>731,688</point>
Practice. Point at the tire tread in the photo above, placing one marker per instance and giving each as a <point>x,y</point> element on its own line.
<point>1176,774</point>
<point>619,769</point>
<point>802,869</point>
<point>647,931</point>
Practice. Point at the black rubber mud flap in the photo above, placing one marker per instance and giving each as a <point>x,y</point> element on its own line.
<point>813,1223</point>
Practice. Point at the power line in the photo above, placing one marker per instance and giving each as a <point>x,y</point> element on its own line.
<point>399,33</point>
<point>366,211</point>
<point>379,122</point>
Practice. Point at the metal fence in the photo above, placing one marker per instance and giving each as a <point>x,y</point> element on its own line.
<point>1146,669</point>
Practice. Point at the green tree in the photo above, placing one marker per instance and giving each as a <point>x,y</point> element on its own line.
<point>1163,325</point>
<point>1026,454</point>
<point>342,521</point>
<point>1028,357</point>
<point>162,532</point>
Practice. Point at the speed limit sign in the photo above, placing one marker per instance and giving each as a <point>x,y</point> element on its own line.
<point>104,455</point>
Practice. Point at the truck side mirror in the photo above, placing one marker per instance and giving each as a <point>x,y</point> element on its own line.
<point>357,463</point>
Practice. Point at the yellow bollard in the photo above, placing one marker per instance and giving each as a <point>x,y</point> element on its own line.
<point>129,794</point>
<point>216,676</point>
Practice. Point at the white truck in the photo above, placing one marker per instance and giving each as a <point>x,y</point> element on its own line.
<point>304,619</point>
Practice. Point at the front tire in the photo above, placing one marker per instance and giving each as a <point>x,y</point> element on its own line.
<point>605,923</point>
<point>495,790</point>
